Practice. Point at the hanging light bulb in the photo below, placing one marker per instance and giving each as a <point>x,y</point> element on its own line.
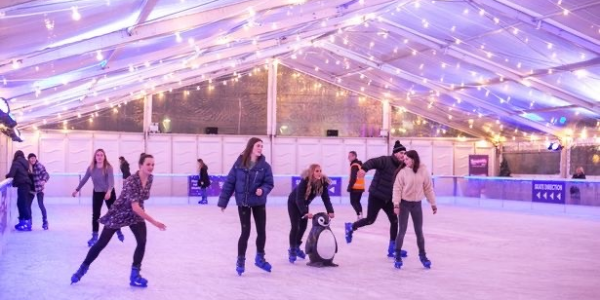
<point>75,15</point>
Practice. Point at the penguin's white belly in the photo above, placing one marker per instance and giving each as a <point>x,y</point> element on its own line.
<point>326,244</point>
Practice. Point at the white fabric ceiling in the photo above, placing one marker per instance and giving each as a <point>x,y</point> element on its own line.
<point>491,68</point>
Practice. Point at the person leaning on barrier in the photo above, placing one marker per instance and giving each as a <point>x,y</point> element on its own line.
<point>574,190</point>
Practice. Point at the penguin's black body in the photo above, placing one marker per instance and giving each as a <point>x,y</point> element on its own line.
<point>321,245</point>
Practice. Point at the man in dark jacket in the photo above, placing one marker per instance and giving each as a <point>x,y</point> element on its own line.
<point>356,186</point>
<point>380,193</point>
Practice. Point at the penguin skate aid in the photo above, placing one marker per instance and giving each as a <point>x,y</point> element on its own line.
<point>321,245</point>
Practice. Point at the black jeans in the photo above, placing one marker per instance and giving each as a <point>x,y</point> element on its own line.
<point>376,204</point>
<point>40,199</point>
<point>139,231</point>
<point>355,201</point>
<point>24,202</point>
<point>416,212</point>
<point>298,224</point>
<point>260,220</point>
<point>97,200</point>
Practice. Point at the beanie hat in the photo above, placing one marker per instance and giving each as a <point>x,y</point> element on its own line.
<point>398,147</point>
<point>31,155</point>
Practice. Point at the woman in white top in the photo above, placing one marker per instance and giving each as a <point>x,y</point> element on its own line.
<point>412,184</point>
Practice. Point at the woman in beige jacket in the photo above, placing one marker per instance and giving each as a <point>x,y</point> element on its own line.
<point>412,184</point>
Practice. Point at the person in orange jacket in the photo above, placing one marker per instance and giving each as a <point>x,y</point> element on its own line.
<point>356,186</point>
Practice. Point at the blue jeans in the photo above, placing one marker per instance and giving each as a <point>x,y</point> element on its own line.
<point>40,199</point>
<point>204,195</point>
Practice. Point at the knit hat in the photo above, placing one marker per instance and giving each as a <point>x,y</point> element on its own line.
<point>398,147</point>
<point>31,155</point>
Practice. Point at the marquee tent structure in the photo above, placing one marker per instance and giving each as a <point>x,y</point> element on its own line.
<point>495,69</point>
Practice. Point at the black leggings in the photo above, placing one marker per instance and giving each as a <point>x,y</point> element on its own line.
<point>24,202</point>
<point>40,200</point>
<point>298,224</point>
<point>416,212</point>
<point>140,233</point>
<point>375,204</point>
<point>97,200</point>
<point>355,201</point>
<point>260,219</point>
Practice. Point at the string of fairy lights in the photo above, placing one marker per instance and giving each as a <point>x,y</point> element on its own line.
<point>550,53</point>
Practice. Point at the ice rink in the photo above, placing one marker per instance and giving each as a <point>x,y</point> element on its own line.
<point>476,254</point>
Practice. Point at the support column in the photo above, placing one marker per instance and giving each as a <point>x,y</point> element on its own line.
<point>386,122</point>
<point>147,113</point>
<point>147,119</point>
<point>387,116</point>
<point>272,99</point>
<point>564,162</point>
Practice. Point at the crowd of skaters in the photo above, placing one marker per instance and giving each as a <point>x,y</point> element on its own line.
<point>399,184</point>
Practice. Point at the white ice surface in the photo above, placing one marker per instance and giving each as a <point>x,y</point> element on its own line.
<point>476,254</point>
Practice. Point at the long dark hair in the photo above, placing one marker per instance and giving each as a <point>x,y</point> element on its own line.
<point>415,157</point>
<point>143,157</point>
<point>18,154</point>
<point>246,156</point>
<point>204,166</point>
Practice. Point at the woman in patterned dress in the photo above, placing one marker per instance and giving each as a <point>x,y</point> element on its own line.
<point>128,210</point>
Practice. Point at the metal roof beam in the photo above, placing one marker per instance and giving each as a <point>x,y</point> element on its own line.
<point>499,69</point>
<point>166,27</point>
<point>438,88</point>
<point>337,18</point>
<point>6,5</point>
<point>145,10</point>
<point>537,20</point>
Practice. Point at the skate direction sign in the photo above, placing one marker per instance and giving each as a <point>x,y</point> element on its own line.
<point>548,192</point>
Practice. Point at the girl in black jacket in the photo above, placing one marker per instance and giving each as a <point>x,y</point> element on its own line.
<point>314,183</point>
<point>19,174</point>
<point>203,181</point>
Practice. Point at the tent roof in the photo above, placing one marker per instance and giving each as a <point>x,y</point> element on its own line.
<point>490,68</point>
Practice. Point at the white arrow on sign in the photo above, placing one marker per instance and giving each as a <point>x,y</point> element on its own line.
<point>539,195</point>
<point>332,189</point>
<point>552,196</point>
<point>545,195</point>
<point>558,196</point>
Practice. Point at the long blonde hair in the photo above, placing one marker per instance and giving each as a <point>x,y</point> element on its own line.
<point>105,165</point>
<point>314,184</point>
